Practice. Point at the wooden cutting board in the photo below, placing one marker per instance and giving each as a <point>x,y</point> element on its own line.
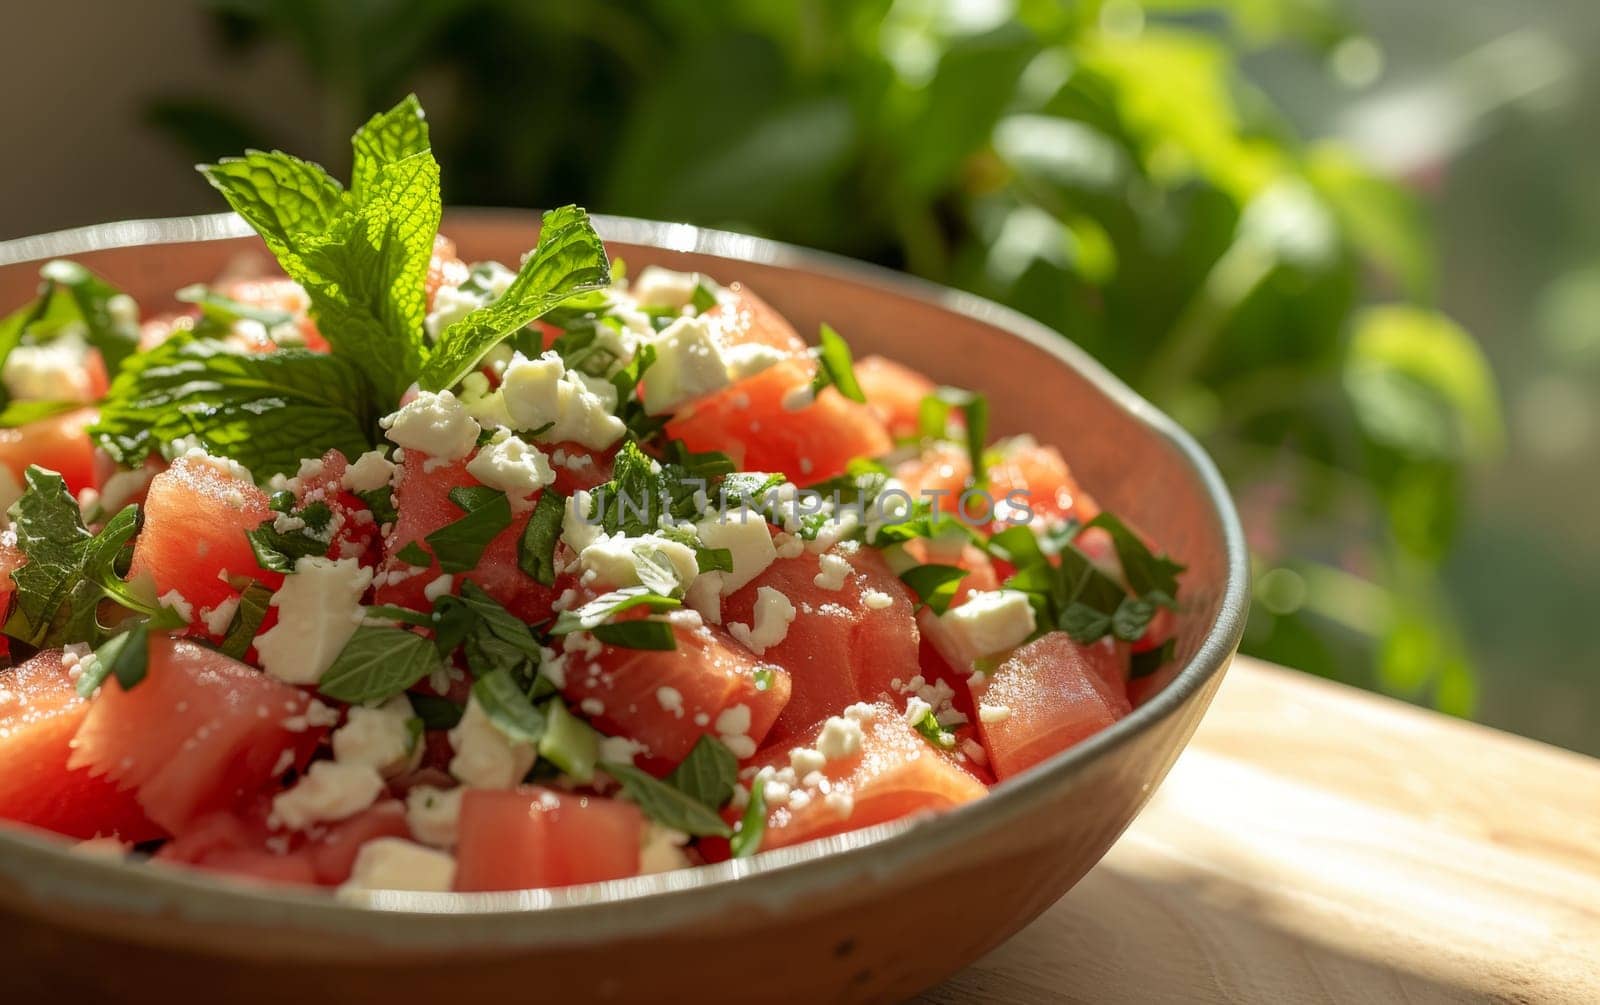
<point>1318,843</point>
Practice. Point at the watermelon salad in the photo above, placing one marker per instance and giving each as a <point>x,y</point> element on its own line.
<point>392,571</point>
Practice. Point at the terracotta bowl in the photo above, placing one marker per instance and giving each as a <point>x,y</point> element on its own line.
<point>877,914</point>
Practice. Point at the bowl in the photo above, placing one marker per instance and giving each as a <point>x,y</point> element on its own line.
<point>871,915</point>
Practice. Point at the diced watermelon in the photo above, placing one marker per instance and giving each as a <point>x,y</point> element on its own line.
<point>668,699</point>
<point>422,500</point>
<point>839,649</point>
<point>200,732</point>
<point>533,838</point>
<point>195,520</point>
<point>895,773</point>
<point>58,442</point>
<point>355,532</point>
<point>39,712</point>
<point>749,423</point>
<point>1022,466</point>
<point>333,851</point>
<point>1054,693</point>
<point>742,318</point>
<point>241,842</point>
<point>894,393</point>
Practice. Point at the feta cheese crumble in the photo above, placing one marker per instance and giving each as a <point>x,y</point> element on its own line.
<point>990,622</point>
<point>328,791</point>
<point>319,608</point>
<point>433,424</point>
<point>773,615</point>
<point>381,738</point>
<point>391,863</point>
<point>515,467</point>
<point>432,814</point>
<point>486,758</point>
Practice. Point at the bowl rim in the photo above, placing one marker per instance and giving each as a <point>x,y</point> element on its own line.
<point>51,872</point>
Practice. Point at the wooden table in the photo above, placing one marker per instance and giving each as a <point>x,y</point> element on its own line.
<point>1316,843</point>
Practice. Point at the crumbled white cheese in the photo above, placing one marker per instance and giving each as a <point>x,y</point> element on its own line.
<point>576,529</point>
<point>616,561</point>
<point>437,425</point>
<point>438,586</point>
<point>993,713</point>
<point>180,606</point>
<point>877,600</point>
<point>370,472</point>
<point>53,371</point>
<point>541,393</point>
<point>749,540</point>
<point>834,571</point>
<point>432,814</point>
<point>512,465</point>
<point>619,749</point>
<point>661,849</point>
<point>840,737</point>
<point>804,760</point>
<point>689,364</point>
<point>329,791</point>
<point>381,738</point>
<point>658,287</point>
<point>486,758</point>
<point>704,597</point>
<point>391,863</point>
<point>772,616</point>
<point>750,358</point>
<point>990,622</point>
<point>319,608</point>
<point>217,619</point>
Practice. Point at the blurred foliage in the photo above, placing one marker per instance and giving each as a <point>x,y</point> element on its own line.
<point>1102,166</point>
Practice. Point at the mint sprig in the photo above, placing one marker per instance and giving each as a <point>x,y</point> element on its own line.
<point>362,255</point>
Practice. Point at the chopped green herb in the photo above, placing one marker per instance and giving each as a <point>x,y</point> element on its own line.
<point>708,773</point>
<point>252,610</point>
<point>835,366</point>
<point>656,635</point>
<point>666,804</point>
<point>378,663</point>
<point>460,545</point>
<point>935,585</point>
<point>414,554</point>
<point>536,550</point>
<point>504,702</point>
<point>436,712</point>
<point>569,743</point>
<point>125,656</point>
<point>746,841</point>
<point>602,608</point>
<point>928,727</point>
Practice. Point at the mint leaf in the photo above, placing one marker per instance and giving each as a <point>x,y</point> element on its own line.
<point>835,366</point>
<point>666,804</point>
<point>569,259</point>
<point>746,841</point>
<point>376,664</point>
<point>655,635</point>
<point>602,608</point>
<point>933,422</point>
<point>708,772</point>
<point>415,554</point>
<point>436,712</point>
<point>71,298</point>
<point>1146,573</point>
<point>509,708</point>
<point>266,410</point>
<point>536,550</point>
<point>246,621</point>
<point>361,255</point>
<point>460,545</point>
<point>935,585</point>
<point>125,656</point>
<point>20,413</point>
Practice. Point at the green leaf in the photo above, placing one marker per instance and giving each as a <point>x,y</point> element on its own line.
<point>218,313</point>
<point>509,708</point>
<point>280,550</point>
<point>459,546</point>
<point>1420,385</point>
<point>536,550</point>
<point>656,635</point>
<point>569,259</point>
<point>746,841</point>
<point>607,606</point>
<point>708,773</point>
<point>702,299</point>
<point>378,663</point>
<point>125,656</point>
<point>665,804</point>
<point>1144,572</point>
<point>387,138</point>
<point>933,422</point>
<point>264,410</point>
<point>415,554</point>
<point>252,610</point>
<point>935,585</point>
<point>52,536</point>
<point>71,298</point>
<point>835,366</point>
<point>436,712</point>
<point>20,413</point>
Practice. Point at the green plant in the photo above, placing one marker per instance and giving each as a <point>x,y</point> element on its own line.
<point>1103,166</point>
